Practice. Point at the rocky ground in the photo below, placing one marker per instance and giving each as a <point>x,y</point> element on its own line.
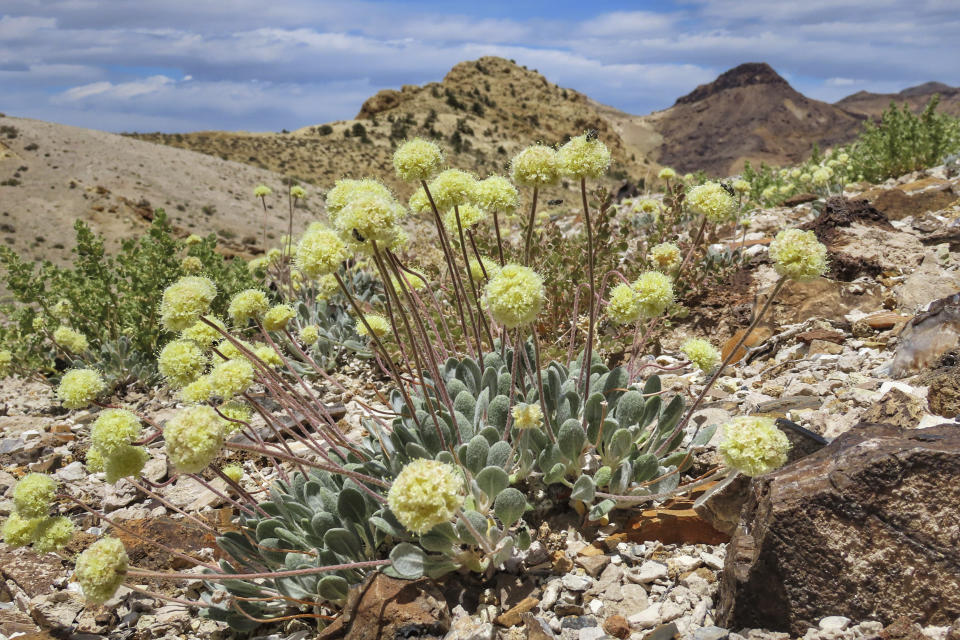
<point>863,346</point>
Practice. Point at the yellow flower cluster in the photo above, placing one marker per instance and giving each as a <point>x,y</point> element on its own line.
<point>667,174</point>
<point>470,215</point>
<point>665,256</point>
<point>112,447</point>
<point>231,378</point>
<point>514,295</point>
<point>185,301</point>
<point>485,264</point>
<point>453,188</point>
<point>584,157</point>
<point>30,522</point>
<point>496,193</point>
<point>277,318</point>
<point>378,324</point>
<point>101,569</point>
<point>297,192</point>
<point>701,353</point>
<point>79,387</point>
<point>181,362</point>
<point>426,493</point>
<point>527,416</point>
<point>798,255</point>
<point>194,437</point>
<point>72,341</point>
<point>246,305</point>
<point>712,200</point>
<point>623,307</point>
<point>320,251</point>
<point>417,159</point>
<point>191,264</point>
<point>234,472</point>
<point>535,166</point>
<point>33,495</point>
<point>654,292</point>
<point>309,335</point>
<point>753,445</point>
<point>202,333</point>
<point>261,191</point>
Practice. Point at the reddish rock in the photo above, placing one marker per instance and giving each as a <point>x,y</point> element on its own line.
<point>676,524</point>
<point>868,528</point>
<point>617,626</point>
<point>513,616</point>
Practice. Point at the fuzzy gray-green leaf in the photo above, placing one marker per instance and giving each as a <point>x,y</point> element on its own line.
<point>509,506</point>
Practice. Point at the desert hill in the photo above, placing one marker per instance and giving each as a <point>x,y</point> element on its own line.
<point>872,105</point>
<point>747,113</point>
<point>482,113</point>
<point>52,174</point>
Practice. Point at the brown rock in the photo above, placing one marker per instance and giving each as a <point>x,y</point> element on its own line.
<point>837,337</point>
<point>561,563</point>
<point>617,626</point>
<point>513,616</point>
<point>867,527</point>
<point>384,608</point>
<point>897,408</point>
<point>886,320</point>
<point>32,572</point>
<point>896,204</point>
<point>824,347</point>
<point>677,524</point>
<point>800,198</point>
<point>902,629</point>
<point>943,396</point>
<point>928,336</point>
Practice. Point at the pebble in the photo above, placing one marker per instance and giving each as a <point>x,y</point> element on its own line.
<point>711,560</point>
<point>646,619</point>
<point>574,582</point>
<point>648,572</point>
<point>834,623</point>
<point>711,633</point>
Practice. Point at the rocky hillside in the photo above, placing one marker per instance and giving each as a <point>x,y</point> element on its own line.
<point>483,112</point>
<point>52,175</point>
<point>748,113</point>
<point>872,105</point>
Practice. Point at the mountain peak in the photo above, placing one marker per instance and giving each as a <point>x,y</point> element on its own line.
<point>744,75</point>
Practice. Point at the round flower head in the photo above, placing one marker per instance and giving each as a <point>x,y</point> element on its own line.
<point>126,463</point>
<point>821,177</point>
<point>192,239</point>
<point>62,309</point>
<point>527,416</point>
<point>194,437</point>
<point>667,174</point>
<point>235,410</point>
<point>624,305</point>
<point>769,192</point>
<point>6,361</point>
<point>181,362</point>
<point>496,193</point>
<point>484,269</point>
<point>798,255</point>
<point>785,189</point>
<point>72,341</point>
<point>369,217</point>
<point>268,355</point>
<point>95,461</point>
<point>648,206</point>
<point>688,177</point>
<point>200,390</point>
<point>52,534</point>
<point>805,178</point>
<point>665,256</point>
<point>654,293</point>
<point>843,158</point>
<point>202,333</point>
<point>320,251</point>
<point>701,353</point>
<point>257,265</point>
<point>230,351</point>
<point>378,324</point>
<point>514,295</point>
<point>234,472</point>
<point>231,378</point>
<point>453,188</point>
<point>753,445</point>
<point>19,531</point>
<point>795,173</point>
<point>101,569</point>
<point>741,186</point>
<point>424,494</point>
<point>535,166</point>
<point>417,159</point>
<point>191,264</point>
<point>39,323</point>
<point>346,190</point>
<point>185,301</point>
<point>261,190</point>
<point>309,335</point>
<point>249,303</point>
<point>470,215</point>
<point>79,387</point>
<point>278,317</point>
<point>712,200</point>
<point>33,495</point>
<point>419,202</point>
<point>326,286</point>
<point>113,430</point>
<point>297,192</point>
<point>584,157</point>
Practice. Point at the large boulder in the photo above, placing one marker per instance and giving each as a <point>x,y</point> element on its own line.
<point>868,528</point>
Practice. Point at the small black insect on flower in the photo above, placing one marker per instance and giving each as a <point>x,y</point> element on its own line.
<point>728,189</point>
<point>357,236</point>
<point>592,134</point>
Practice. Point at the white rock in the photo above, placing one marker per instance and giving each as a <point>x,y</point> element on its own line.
<point>73,472</point>
<point>650,571</point>
<point>646,619</point>
<point>834,623</point>
<point>671,611</point>
<point>550,595</point>
<point>573,582</point>
<point>712,560</point>
<point>595,606</point>
<point>591,633</point>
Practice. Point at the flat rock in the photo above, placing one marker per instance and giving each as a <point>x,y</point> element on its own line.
<point>897,408</point>
<point>834,533</point>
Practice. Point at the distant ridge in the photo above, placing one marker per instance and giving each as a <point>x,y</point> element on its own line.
<point>744,75</point>
<point>872,105</point>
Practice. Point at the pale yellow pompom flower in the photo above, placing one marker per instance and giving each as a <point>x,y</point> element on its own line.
<point>248,304</point>
<point>753,445</point>
<point>624,304</point>
<point>470,216</point>
<point>667,174</point>
<point>701,353</point>
<point>584,157</point>
<point>514,295</point>
<point>193,437</point>
<point>798,255</point>
<point>741,186</point>
<point>369,217</point>
<point>202,333</point>
<point>261,191</point>
<point>343,191</point>
<point>484,266</point>
<point>654,292</point>
<point>101,569</point>
<point>535,166</point>
<point>419,202</point>
<point>453,188</point>
<point>278,317</point>
<point>181,362</point>
<point>712,200</point>
<point>72,341</point>
<point>185,301</point>
<point>79,387</point>
<point>309,335</point>
<point>527,416</point>
<point>665,256</point>
<point>113,430</point>
<point>297,192</point>
<point>231,378</point>
<point>426,493</point>
<point>496,193</point>
<point>33,495</point>
<point>378,324</point>
<point>320,251</point>
<point>191,264</point>
<point>417,159</point>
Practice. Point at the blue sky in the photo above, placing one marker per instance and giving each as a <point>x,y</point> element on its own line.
<point>185,65</point>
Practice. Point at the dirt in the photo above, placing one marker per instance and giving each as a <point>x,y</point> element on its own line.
<point>840,212</point>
